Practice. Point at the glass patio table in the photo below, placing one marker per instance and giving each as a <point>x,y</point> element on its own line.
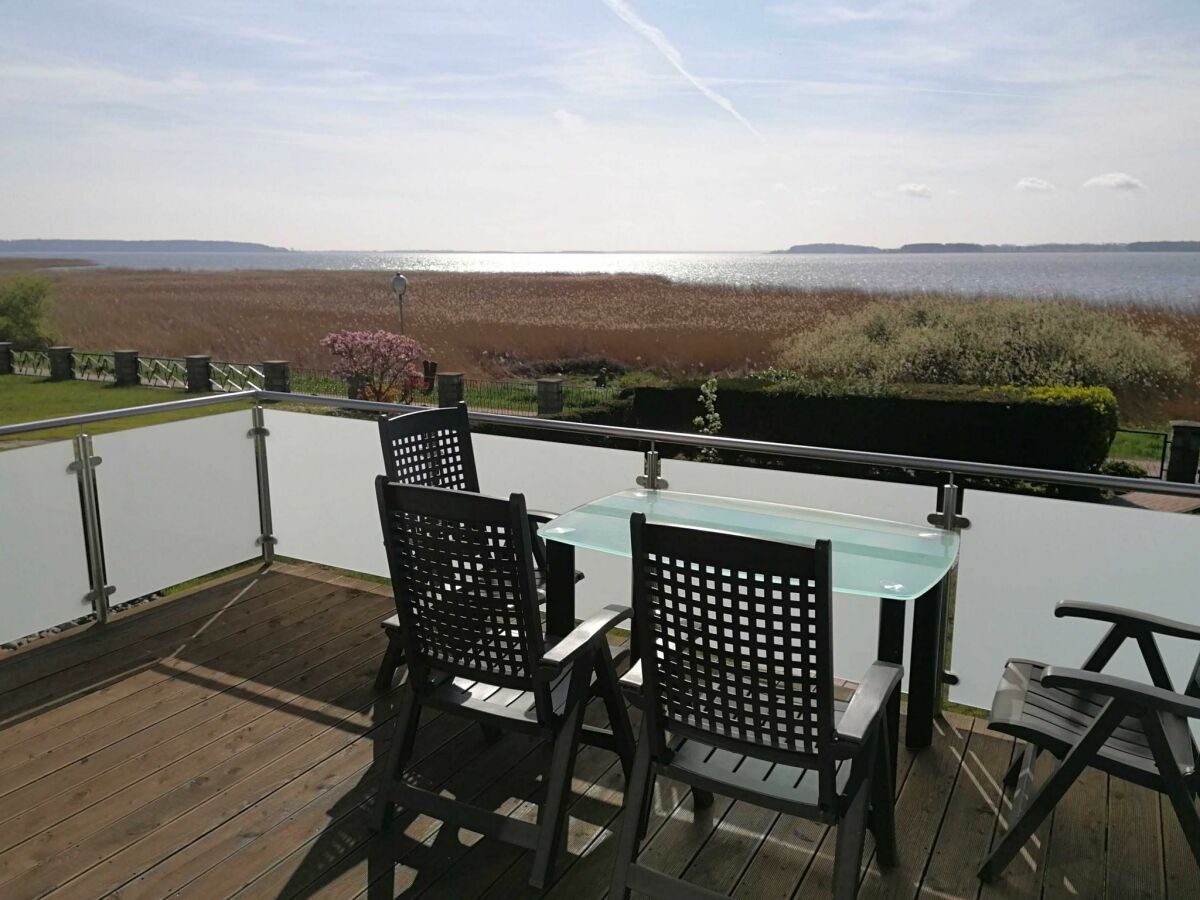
<point>897,563</point>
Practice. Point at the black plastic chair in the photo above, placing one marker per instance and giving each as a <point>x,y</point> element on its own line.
<point>1130,730</point>
<point>433,447</point>
<point>462,574</point>
<point>735,684</point>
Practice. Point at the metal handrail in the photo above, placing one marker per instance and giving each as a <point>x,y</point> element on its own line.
<point>743,445</point>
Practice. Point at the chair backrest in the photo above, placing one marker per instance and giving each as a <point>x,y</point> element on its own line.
<point>736,643</point>
<point>462,575</point>
<point>431,447</point>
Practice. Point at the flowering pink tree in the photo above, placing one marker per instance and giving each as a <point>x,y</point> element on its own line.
<point>382,363</point>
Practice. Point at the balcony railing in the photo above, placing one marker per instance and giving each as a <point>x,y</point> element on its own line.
<point>102,520</point>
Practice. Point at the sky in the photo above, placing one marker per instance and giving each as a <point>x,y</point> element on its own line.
<point>600,124</point>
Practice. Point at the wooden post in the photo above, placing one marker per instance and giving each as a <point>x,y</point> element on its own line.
<point>62,363</point>
<point>549,396</point>
<point>1185,452</point>
<point>199,373</point>
<point>125,368</point>
<point>277,376</point>
<point>451,389</point>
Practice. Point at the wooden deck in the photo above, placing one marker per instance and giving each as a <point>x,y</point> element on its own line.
<point>222,745</point>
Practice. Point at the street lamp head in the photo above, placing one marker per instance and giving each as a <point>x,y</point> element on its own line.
<point>399,285</point>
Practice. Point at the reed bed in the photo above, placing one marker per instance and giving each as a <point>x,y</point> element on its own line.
<point>487,324</point>
<point>475,323</point>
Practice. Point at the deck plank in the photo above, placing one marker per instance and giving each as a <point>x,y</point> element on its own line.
<point>1078,840</point>
<point>234,755</point>
<point>1135,868</point>
<point>966,831</point>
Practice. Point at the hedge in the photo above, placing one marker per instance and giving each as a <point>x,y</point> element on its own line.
<point>1066,428</point>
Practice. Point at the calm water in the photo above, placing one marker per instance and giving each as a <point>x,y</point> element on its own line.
<point>1172,278</point>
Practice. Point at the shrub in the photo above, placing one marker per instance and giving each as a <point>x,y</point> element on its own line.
<point>24,302</point>
<point>988,342</point>
<point>1038,427</point>
<point>384,364</point>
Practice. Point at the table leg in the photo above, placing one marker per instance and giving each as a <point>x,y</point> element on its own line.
<point>925,666</point>
<point>560,588</point>
<point>891,649</point>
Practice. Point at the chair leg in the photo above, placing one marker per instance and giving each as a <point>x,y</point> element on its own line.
<point>553,811</point>
<point>632,816</point>
<point>851,836</point>
<point>1047,796</point>
<point>1024,767</point>
<point>1176,786</point>
<point>392,659</point>
<point>614,704</point>
<point>398,754</point>
<point>701,799</point>
<point>883,806</point>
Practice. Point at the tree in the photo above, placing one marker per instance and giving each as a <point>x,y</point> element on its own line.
<point>24,302</point>
<point>383,364</point>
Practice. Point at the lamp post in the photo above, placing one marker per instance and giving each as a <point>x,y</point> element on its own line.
<point>400,288</point>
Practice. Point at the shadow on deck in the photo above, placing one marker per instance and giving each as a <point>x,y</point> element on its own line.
<point>224,744</point>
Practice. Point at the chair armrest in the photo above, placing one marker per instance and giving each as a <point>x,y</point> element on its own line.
<point>1131,619</point>
<point>631,681</point>
<point>869,701</point>
<point>1130,692</point>
<point>587,631</point>
<point>541,515</point>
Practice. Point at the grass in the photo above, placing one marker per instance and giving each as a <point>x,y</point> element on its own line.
<point>25,399</point>
<point>1136,445</point>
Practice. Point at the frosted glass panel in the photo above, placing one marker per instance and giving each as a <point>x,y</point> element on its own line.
<point>176,501</point>
<point>323,505</point>
<point>43,559</point>
<point>1022,555</point>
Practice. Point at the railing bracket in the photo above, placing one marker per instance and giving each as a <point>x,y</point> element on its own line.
<point>939,520</point>
<point>258,431</point>
<point>949,677</point>
<point>90,598</point>
<point>264,539</point>
<point>93,461</point>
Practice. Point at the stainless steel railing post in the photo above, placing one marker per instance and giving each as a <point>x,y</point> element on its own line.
<point>266,538</point>
<point>84,468</point>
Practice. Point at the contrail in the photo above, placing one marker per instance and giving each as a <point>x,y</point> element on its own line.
<point>673,56</point>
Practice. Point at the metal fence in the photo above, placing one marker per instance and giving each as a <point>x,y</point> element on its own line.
<point>31,362</point>
<point>1143,448</point>
<point>162,371</point>
<point>94,366</point>
<point>227,376</point>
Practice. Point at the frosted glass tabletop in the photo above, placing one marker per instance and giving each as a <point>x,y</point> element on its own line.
<point>871,557</point>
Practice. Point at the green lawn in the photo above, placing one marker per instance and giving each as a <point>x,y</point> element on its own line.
<point>25,399</point>
<point>1133,445</point>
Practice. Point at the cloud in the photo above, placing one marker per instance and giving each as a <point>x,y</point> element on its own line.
<point>1116,181</point>
<point>672,55</point>
<point>920,191</point>
<point>1036,185</point>
<point>570,122</point>
<point>886,11</point>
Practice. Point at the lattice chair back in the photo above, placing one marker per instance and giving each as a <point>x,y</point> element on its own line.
<point>431,447</point>
<point>462,575</point>
<point>735,640</point>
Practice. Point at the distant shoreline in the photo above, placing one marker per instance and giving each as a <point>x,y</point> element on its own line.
<point>866,249</point>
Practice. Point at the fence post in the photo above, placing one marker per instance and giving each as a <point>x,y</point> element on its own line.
<point>1185,452</point>
<point>125,368</point>
<point>6,358</point>
<point>277,376</point>
<point>84,469</point>
<point>549,396</point>
<point>354,387</point>
<point>429,373</point>
<point>451,389</point>
<point>62,363</point>
<point>199,373</point>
